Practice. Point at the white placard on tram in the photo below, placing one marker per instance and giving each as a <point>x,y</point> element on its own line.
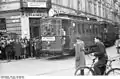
<point>48,38</point>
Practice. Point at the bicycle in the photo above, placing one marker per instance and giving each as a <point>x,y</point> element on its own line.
<point>90,71</point>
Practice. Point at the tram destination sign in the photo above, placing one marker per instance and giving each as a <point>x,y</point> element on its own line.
<point>48,38</point>
<point>3,30</point>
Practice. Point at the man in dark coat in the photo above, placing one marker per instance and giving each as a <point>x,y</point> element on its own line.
<point>17,49</point>
<point>33,49</point>
<point>38,48</point>
<point>3,54</point>
<point>8,50</point>
<point>100,53</point>
<point>13,52</point>
<point>0,52</point>
<point>117,43</point>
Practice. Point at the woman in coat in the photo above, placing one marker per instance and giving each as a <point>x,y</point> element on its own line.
<point>79,54</point>
<point>17,49</point>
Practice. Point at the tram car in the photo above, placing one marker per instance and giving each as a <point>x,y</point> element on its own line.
<point>110,33</point>
<point>58,34</point>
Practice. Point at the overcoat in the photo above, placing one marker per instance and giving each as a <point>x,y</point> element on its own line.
<point>17,49</point>
<point>79,55</point>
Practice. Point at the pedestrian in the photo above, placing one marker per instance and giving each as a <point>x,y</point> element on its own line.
<point>3,54</point>
<point>38,48</point>
<point>17,49</point>
<point>0,52</point>
<point>8,50</point>
<point>27,48</point>
<point>63,34</point>
<point>101,55</point>
<point>117,44</point>
<point>80,54</point>
<point>33,49</point>
<point>12,46</point>
<point>22,48</point>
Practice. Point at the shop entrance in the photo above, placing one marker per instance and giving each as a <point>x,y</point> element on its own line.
<point>34,27</point>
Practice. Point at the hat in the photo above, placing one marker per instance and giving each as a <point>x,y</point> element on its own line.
<point>78,38</point>
<point>99,38</point>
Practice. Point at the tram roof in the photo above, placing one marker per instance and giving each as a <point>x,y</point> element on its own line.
<point>75,20</point>
<point>83,17</point>
<point>106,22</point>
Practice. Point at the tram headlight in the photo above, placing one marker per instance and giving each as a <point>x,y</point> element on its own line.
<point>73,24</point>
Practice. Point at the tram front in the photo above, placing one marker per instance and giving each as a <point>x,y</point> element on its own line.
<point>50,35</point>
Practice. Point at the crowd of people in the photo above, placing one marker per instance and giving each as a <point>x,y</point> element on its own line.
<point>19,48</point>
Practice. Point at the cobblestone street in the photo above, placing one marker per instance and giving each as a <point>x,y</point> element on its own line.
<point>63,66</point>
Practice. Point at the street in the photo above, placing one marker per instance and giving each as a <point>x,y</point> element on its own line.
<point>62,66</point>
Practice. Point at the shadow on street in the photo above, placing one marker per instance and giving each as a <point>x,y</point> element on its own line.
<point>63,57</point>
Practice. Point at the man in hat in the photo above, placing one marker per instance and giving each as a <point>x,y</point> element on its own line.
<point>101,55</point>
<point>117,44</point>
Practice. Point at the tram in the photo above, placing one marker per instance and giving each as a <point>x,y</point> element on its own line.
<point>58,34</point>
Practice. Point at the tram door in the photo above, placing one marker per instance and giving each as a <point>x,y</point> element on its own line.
<point>66,25</point>
<point>34,27</point>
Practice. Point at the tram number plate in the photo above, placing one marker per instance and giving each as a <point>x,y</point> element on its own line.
<point>48,38</point>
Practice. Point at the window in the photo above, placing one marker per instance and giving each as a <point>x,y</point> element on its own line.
<point>89,6</point>
<point>79,28</point>
<point>83,30</point>
<point>86,28</point>
<point>99,10</point>
<point>95,9</point>
<point>79,5</point>
<point>93,29</point>
<point>90,27</point>
<point>96,29</point>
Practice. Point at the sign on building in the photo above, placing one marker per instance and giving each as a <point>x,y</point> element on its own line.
<point>37,4</point>
<point>10,6</point>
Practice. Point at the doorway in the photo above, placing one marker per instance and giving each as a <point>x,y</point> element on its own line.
<point>34,27</point>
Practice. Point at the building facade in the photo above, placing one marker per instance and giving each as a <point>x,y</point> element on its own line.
<point>22,16</point>
<point>103,10</point>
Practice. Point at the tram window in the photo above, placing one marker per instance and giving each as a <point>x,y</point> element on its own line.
<point>90,28</point>
<point>93,29</point>
<point>58,21</point>
<point>79,28</point>
<point>53,29</point>
<point>53,21</point>
<point>96,29</point>
<point>86,28</point>
<point>83,30</point>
